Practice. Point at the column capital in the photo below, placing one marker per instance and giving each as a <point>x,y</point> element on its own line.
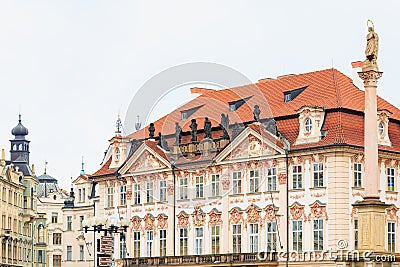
<point>370,77</point>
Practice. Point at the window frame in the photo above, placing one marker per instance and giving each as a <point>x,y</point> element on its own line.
<point>272,236</point>
<point>297,176</point>
<point>136,194</point>
<point>391,241</point>
<point>254,232</point>
<point>162,188</point>
<point>183,241</point>
<point>308,125</point>
<point>149,192</point>
<point>318,174</point>
<point>149,243</point>
<point>69,223</point>
<point>215,182</point>
<point>69,253</point>
<point>237,182</point>
<point>357,174</point>
<point>297,235</point>
<point>237,238</point>
<point>163,242</point>
<point>122,195</point>
<point>110,197</point>
<point>254,181</point>
<point>318,244</point>
<point>199,186</point>
<point>183,188</point>
<point>199,240</point>
<point>391,183</point>
<point>215,239</point>
<point>271,179</point>
<point>136,244</point>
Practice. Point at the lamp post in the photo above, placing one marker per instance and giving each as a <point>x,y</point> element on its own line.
<point>108,226</point>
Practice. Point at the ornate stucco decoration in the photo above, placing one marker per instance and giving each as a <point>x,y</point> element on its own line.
<point>235,216</point>
<point>391,214</point>
<point>183,220</point>
<point>383,128</point>
<point>136,223</point>
<point>297,212</point>
<point>253,214</point>
<point>149,222</point>
<point>318,210</point>
<point>162,221</point>
<point>199,218</point>
<point>214,217</point>
<point>270,213</point>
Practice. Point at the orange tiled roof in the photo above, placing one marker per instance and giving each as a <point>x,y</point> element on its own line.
<point>329,88</point>
<point>104,170</point>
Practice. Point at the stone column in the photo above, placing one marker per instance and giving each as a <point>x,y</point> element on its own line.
<point>371,211</point>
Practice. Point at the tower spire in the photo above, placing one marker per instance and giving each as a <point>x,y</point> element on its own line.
<point>83,167</point>
<point>45,167</point>
<point>118,125</point>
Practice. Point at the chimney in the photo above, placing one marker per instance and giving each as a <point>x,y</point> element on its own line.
<point>357,67</point>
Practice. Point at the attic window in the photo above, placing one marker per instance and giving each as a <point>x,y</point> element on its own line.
<point>235,105</point>
<point>185,114</point>
<point>290,95</point>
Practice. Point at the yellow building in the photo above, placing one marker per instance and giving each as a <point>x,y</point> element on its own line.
<point>20,223</point>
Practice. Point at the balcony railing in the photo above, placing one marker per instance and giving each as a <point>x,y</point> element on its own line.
<point>216,259</point>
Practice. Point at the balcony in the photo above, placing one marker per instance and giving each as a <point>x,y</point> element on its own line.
<point>203,260</point>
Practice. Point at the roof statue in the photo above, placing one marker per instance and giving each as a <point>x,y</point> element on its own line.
<point>371,51</point>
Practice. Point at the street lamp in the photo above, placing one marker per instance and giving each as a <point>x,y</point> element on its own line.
<point>110,226</point>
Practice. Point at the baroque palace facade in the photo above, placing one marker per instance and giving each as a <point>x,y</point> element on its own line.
<point>273,166</point>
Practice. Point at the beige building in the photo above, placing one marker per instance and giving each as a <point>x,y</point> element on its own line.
<point>67,244</point>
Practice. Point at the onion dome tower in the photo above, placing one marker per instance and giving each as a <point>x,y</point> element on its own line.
<point>19,152</point>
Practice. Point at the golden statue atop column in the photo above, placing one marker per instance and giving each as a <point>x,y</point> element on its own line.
<point>371,51</point>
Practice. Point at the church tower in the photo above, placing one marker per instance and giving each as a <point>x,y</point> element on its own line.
<point>19,146</point>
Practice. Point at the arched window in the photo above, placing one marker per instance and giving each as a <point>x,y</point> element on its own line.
<point>117,153</point>
<point>381,128</point>
<point>308,125</point>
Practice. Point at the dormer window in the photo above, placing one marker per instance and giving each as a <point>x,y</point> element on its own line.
<point>117,154</point>
<point>185,114</point>
<point>235,105</point>
<point>290,95</point>
<point>308,125</point>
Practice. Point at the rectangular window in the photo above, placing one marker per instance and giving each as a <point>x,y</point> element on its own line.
<point>149,192</point>
<point>83,195</point>
<point>149,243</point>
<point>271,179</point>
<point>214,185</point>
<point>357,174</point>
<point>40,257</point>
<point>183,241</point>
<point>110,197</point>
<point>215,232</point>
<point>390,179</point>
<point>163,190</point>
<point>81,218</point>
<point>297,235</point>
<point>199,186</point>
<point>237,182</point>
<point>297,177</point>
<point>237,238</point>
<point>54,217</point>
<point>318,174</point>
<point>80,195</point>
<point>122,195</point>
<point>391,236</point>
<point>136,193</point>
<point>198,240</point>
<point>183,188</point>
<point>136,244</point>
<point>69,253</point>
<point>163,242</point>
<point>254,181</point>
<point>318,234</point>
<point>253,237</point>
<point>81,253</point>
<point>355,234</point>
<point>272,236</point>
<point>56,260</point>
<point>56,238</point>
<point>69,223</point>
<point>122,245</point>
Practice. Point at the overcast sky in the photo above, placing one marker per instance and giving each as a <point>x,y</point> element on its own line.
<point>71,66</point>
